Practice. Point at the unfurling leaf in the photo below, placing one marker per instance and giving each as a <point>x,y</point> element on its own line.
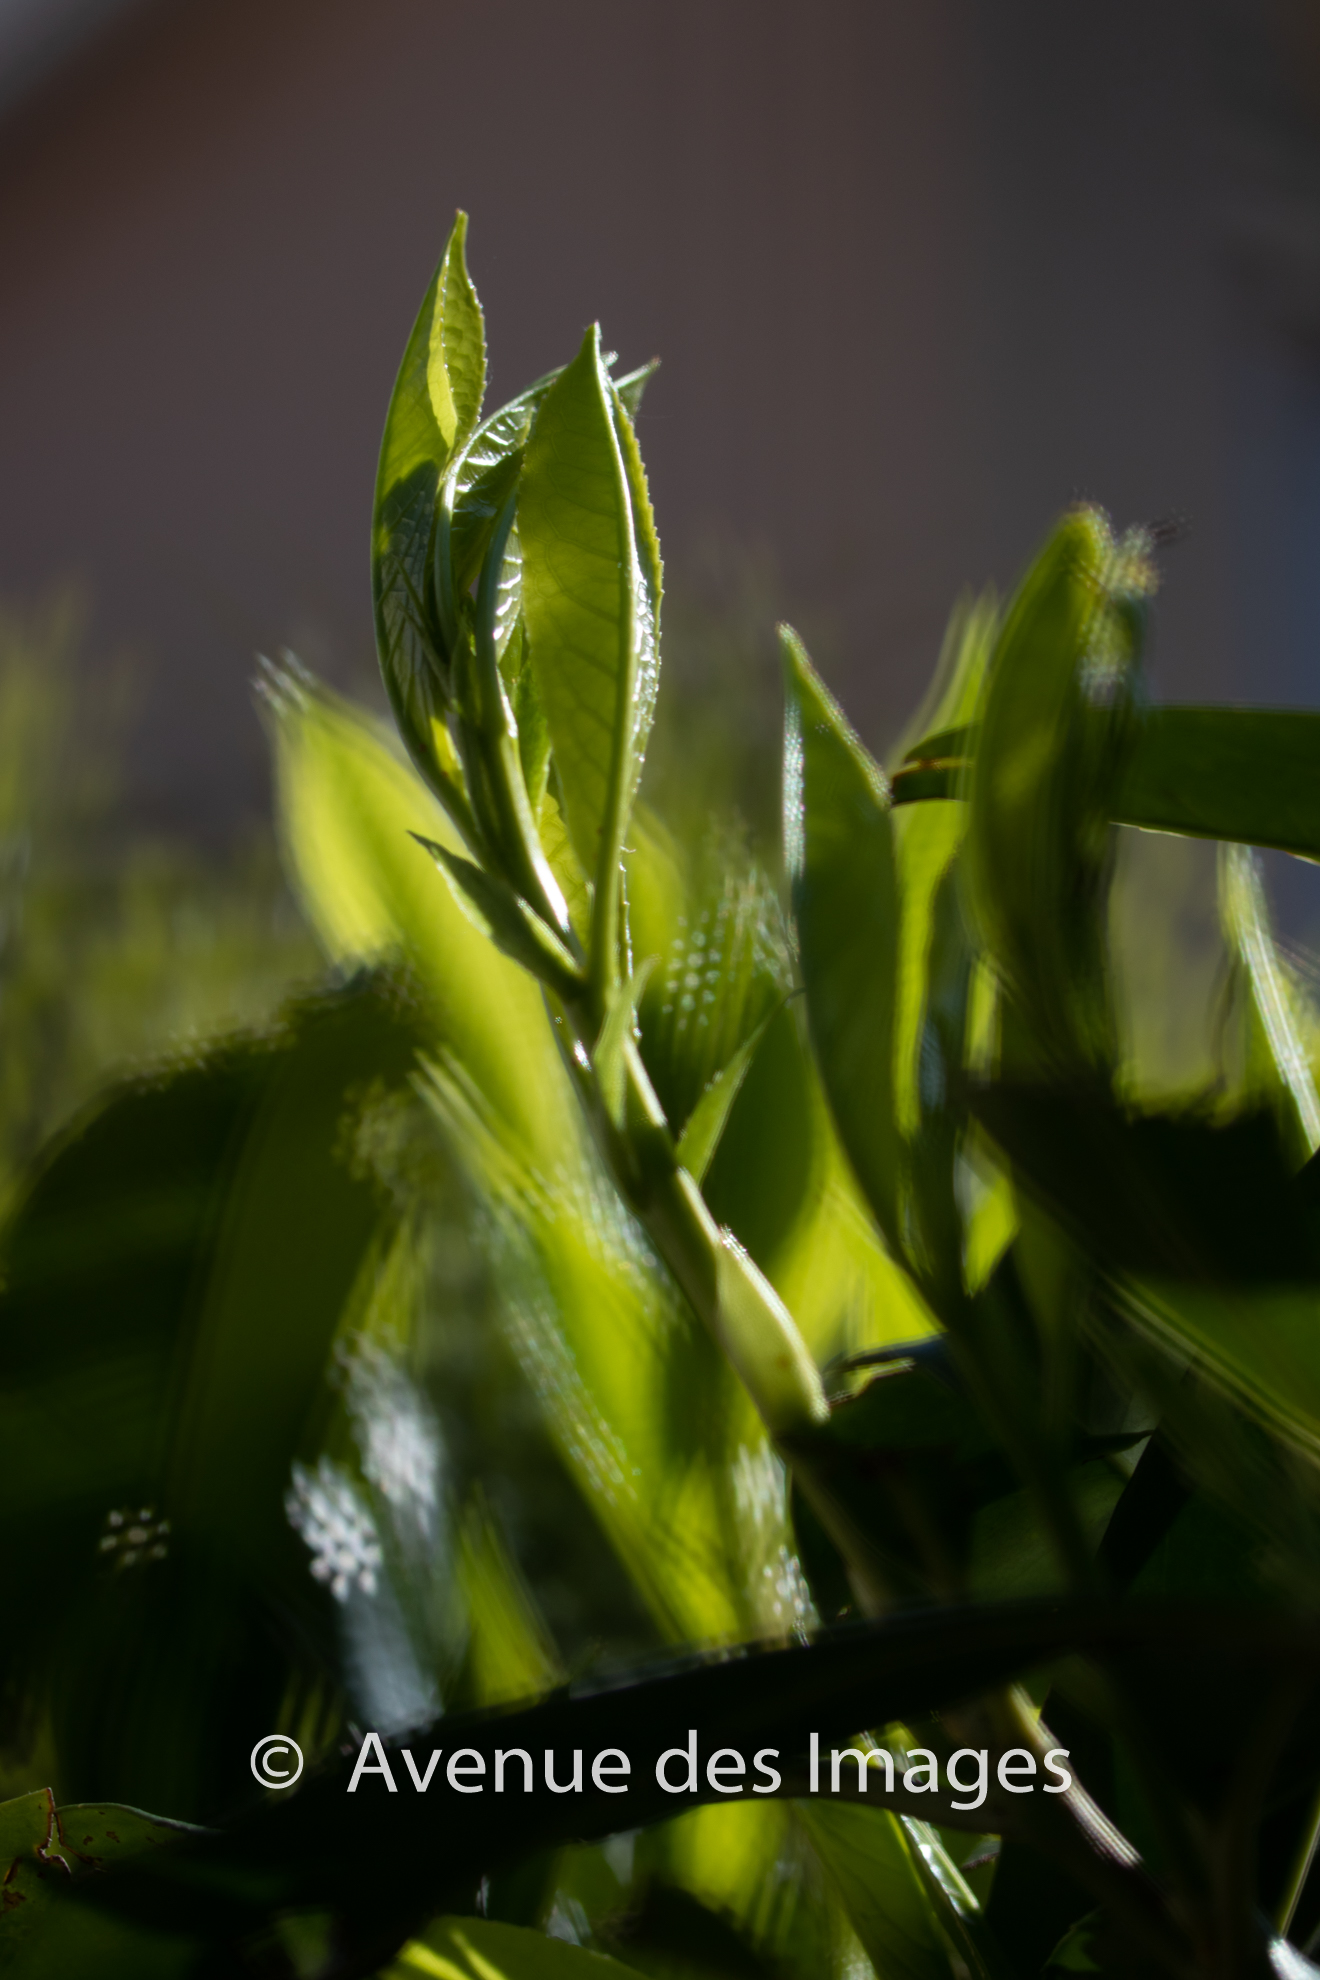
<point>434,408</point>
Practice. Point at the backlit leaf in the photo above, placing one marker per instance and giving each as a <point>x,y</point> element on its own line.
<point>839,850</point>
<point>590,600</point>
<point>434,407</point>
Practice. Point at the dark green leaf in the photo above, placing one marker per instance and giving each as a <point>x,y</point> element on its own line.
<point>1173,1194</point>
<point>1250,774</point>
<point>173,1282</point>
<point>912,1925</point>
<point>1054,726</point>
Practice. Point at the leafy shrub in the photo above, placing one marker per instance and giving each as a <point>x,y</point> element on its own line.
<point>863,1312</point>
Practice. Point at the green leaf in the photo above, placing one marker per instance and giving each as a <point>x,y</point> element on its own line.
<point>927,839</point>
<point>1278,1067</point>
<point>348,807</point>
<point>714,920</point>
<point>456,346</point>
<point>93,1834</point>
<point>590,589</point>
<point>433,410</point>
<point>1054,726</point>
<point>510,1654</point>
<point>174,1280</point>
<point>41,1850</point>
<point>631,387</point>
<point>506,920</point>
<point>645,1416</point>
<point>1077,1951</point>
<point>485,475</point>
<point>1262,1349</point>
<point>1246,774</point>
<point>705,1124</point>
<point>27,1869</point>
<point>778,1177</point>
<point>912,1924</point>
<point>1176,1194</point>
<point>940,730</point>
<point>1241,775</point>
<point>839,851</point>
<point>480,1949</point>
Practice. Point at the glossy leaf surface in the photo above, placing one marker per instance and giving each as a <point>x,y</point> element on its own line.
<point>590,589</point>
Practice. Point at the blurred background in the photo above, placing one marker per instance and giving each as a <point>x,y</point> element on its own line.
<point>918,274</point>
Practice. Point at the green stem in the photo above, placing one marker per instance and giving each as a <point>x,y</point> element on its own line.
<point>726,1288</point>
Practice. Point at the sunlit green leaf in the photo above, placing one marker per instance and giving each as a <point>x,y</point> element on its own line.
<point>510,1654</point>
<point>435,406</point>
<point>1278,1068</point>
<point>479,1949</point>
<point>839,849</point>
<point>705,1124</point>
<point>715,923</point>
<point>610,1349</point>
<point>348,810</point>
<point>506,920</point>
<point>589,586</point>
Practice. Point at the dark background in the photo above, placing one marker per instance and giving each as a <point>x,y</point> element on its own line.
<point>919,271</point>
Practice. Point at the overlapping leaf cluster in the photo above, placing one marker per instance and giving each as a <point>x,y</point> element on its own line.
<point>895,1322</point>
